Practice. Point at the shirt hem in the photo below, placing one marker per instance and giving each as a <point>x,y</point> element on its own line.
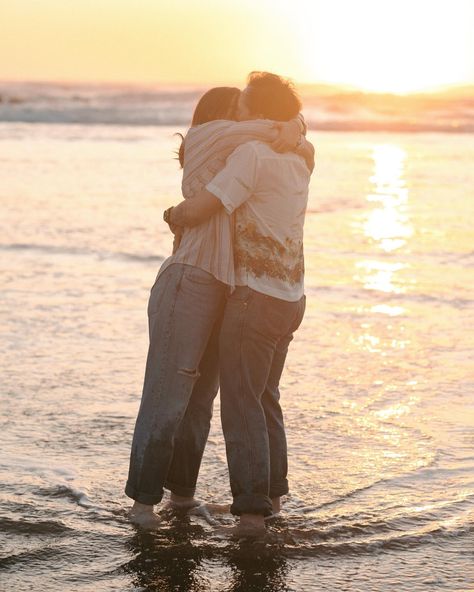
<point>273,292</point>
<point>172,261</point>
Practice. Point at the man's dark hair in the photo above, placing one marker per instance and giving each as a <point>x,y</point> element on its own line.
<point>271,96</point>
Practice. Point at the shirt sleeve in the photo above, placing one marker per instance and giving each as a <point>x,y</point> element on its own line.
<point>237,180</point>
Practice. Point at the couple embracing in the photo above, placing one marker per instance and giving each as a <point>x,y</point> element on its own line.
<point>225,305</point>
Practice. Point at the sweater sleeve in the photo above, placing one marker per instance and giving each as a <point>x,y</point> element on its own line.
<point>208,146</point>
<point>241,132</point>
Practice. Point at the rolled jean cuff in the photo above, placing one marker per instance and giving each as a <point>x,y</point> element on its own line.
<point>180,489</point>
<point>148,499</point>
<point>279,489</point>
<point>252,503</point>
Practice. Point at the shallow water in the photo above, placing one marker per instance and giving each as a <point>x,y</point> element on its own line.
<point>378,390</point>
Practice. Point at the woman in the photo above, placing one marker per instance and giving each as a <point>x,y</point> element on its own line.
<point>186,302</point>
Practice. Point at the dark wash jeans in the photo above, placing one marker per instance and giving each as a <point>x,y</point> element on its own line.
<point>255,334</point>
<point>181,382</point>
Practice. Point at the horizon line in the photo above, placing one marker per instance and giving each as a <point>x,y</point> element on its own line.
<point>198,85</point>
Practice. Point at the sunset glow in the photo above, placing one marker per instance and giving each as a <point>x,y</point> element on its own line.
<point>385,46</point>
<point>200,332</point>
<point>376,45</point>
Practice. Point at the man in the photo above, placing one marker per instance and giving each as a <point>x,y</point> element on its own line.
<point>268,192</point>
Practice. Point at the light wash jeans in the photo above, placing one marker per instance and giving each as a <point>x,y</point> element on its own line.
<point>181,382</point>
<point>255,335</point>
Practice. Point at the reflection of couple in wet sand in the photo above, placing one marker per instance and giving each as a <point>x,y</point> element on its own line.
<point>225,305</point>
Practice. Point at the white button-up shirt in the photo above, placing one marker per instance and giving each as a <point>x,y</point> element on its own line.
<point>268,192</point>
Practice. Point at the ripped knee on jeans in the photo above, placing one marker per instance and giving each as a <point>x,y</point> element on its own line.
<point>190,372</point>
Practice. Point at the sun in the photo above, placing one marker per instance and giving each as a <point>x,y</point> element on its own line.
<point>385,46</point>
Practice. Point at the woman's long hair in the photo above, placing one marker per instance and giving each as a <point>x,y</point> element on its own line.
<point>217,103</point>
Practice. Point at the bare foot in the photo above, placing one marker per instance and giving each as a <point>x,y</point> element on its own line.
<point>144,516</point>
<point>250,525</point>
<point>179,502</point>
<point>203,512</point>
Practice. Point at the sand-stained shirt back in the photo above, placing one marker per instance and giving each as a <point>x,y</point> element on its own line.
<point>268,193</point>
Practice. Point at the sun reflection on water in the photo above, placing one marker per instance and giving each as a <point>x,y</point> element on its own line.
<point>387,228</point>
<point>387,224</point>
<point>397,409</point>
<point>391,311</point>
<point>379,275</point>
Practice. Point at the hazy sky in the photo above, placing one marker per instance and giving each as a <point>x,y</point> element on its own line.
<point>397,45</point>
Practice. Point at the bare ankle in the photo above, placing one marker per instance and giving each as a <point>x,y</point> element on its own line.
<point>276,504</point>
<point>252,520</point>
<point>138,507</point>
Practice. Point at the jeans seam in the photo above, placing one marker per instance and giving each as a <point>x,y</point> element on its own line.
<point>159,386</point>
<point>168,332</point>
<point>165,280</point>
<point>161,379</point>
<point>242,407</point>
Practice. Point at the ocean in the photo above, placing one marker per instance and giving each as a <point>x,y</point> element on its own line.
<point>377,392</point>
